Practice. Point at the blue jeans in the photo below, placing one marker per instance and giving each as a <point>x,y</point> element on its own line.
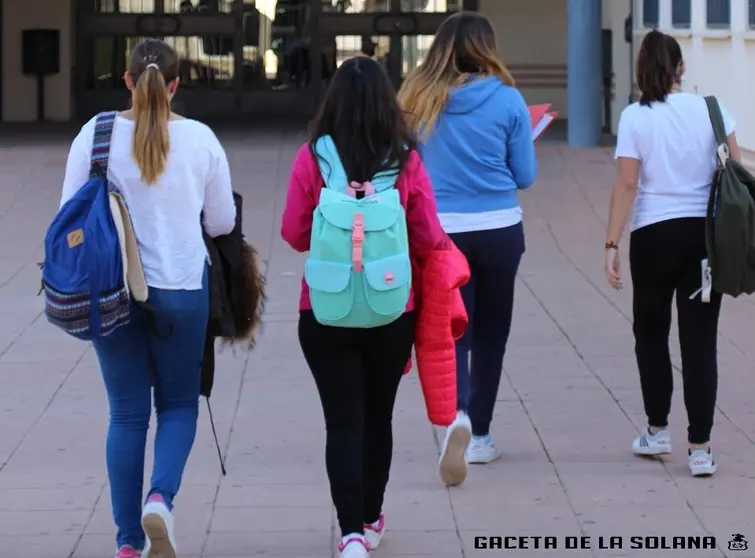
<point>493,257</point>
<point>126,357</point>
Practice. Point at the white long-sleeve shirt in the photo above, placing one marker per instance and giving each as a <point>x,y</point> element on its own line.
<point>166,215</point>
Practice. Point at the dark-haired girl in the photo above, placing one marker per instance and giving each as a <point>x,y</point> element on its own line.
<point>357,371</point>
<point>170,171</point>
<point>666,154</point>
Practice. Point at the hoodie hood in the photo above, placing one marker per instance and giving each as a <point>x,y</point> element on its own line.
<point>472,95</point>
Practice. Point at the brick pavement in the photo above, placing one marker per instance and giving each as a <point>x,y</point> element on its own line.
<point>568,406</point>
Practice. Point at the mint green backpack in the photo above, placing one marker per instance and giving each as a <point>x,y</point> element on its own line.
<point>358,271</point>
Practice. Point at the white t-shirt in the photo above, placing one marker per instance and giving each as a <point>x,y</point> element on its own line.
<point>166,215</point>
<point>676,148</point>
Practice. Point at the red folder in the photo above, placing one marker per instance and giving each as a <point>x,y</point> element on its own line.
<point>542,117</point>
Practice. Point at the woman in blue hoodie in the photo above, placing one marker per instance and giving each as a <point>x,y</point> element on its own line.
<point>476,141</point>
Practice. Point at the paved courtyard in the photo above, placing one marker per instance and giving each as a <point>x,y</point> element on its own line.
<point>567,408</point>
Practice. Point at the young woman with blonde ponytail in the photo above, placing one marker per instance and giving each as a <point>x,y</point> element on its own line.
<point>174,177</point>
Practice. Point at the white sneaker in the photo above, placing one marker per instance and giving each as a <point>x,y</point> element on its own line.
<point>373,532</point>
<point>701,463</point>
<point>354,546</point>
<point>452,466</point>
<point>482,450</point>
<point>158,524</point>
<point>652,444</point>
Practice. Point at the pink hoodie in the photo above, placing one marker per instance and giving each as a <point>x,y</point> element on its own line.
<point>415,190</point>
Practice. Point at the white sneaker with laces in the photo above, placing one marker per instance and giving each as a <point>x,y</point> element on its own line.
<point>354,546</point>
<point>652,444</point>
<point>158,525</point>
<point>482,450</point>
<point>452,465</point>
<point>701,463</point>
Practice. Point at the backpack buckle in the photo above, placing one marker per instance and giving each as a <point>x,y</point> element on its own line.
<point>722,154</point>
<point>357,242</point>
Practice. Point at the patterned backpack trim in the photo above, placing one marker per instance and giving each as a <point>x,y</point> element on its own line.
<point>72,312</point>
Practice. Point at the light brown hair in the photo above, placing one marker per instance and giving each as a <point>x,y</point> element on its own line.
<point>464,48</point>
<point>153,66</point>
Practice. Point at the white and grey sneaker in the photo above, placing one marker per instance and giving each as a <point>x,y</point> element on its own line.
<point>452,466</point>
<point>701,463</point>
<point>652,444</point>
<point>482,450</point>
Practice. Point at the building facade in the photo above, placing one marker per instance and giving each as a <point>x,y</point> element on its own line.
<point>270,57</point>
<point>718,43</point>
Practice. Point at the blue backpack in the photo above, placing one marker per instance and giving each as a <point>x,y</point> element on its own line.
<point>358,272</point>
<point>84,271</point>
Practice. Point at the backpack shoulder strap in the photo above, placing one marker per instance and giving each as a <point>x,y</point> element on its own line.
<point>385,180</point>
<point>716,120</point>
<point>331,167</point>
<point>103,133</point>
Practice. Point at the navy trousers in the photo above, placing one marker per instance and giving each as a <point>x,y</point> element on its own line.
<point>493,257</point>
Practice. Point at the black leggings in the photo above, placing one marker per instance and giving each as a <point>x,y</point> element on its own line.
<point>357,372</point>
<point>665,259</point>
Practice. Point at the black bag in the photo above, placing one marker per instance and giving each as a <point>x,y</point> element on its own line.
<point>730,219</point>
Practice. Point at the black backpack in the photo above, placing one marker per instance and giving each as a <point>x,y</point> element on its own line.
<point>730,219</point>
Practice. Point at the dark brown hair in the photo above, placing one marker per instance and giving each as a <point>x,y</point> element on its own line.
<point>151,104</point>
<point>361,114</point>
<point>659,65</point>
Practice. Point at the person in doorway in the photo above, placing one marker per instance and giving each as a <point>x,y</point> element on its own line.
<point>359,140</point>
<point>666,154</point>
<point>170,170</point>
<point>476,140</point>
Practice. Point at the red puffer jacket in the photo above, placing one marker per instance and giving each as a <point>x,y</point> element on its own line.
<point>441,320</point>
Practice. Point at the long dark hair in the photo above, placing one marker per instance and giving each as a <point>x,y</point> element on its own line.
<point>659,65</point>
<point>153,65</point>
<point>362,115</point>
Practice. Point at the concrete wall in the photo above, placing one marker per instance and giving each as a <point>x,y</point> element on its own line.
<point>19,91</point>
<point>719,62</point>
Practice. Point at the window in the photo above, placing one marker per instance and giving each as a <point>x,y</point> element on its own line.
<point>681,13</point>
<point>719,13</point>
<point>650,13</point>
<point>751,13</point>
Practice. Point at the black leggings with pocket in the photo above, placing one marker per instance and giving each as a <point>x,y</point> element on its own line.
<point>665,259</point>
<point>357,372</point>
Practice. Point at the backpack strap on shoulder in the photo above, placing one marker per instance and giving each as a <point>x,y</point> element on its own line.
<point>716,120</point>
<point>719,130</point>
<point>331,167</point>
<point>385,180</point>
<point>103,133</point>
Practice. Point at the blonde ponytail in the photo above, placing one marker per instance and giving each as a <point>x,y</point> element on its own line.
<point>151,109</point>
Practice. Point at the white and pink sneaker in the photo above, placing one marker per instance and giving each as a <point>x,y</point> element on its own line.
<point>128,551</point>
<point>373,532</point>
<point>354,546</point>
<point>158,525</point>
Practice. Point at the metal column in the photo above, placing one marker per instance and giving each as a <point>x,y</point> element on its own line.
<point>585,23</point>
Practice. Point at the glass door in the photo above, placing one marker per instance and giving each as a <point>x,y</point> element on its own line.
<point>238,57</point>
<point>397,32</point>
